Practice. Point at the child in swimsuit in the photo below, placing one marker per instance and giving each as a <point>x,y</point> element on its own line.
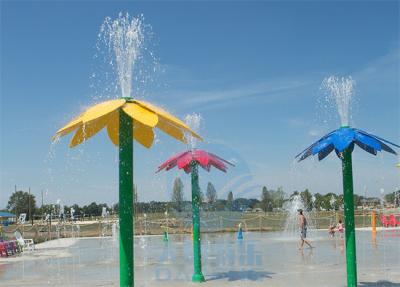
<point>340,228</point>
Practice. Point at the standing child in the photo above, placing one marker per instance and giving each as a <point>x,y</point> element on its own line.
<point>332,230</point>
<point>340,228</point>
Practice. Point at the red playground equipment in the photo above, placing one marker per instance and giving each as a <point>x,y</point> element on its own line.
<point>384,221</point>
<point>392,222</point>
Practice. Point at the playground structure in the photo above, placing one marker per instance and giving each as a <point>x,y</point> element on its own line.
<point>189,162</point>
<point>342,141</point>
<point>126,119</point>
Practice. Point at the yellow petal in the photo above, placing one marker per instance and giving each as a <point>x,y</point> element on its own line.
<point>90,114</point>
<point>143,134</point>
<point>171,130</point>
<point>113,128</point>
<point>140,114</point>
<point>168,117</point>
<point>72,125</point>
<point>101,109</point>
<point>89,129</point>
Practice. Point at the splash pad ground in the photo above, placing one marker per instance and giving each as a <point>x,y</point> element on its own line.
<point>261,259</point>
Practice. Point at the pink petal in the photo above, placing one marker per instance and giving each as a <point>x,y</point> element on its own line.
<point>203,158</point>
<point>185,160</point>
<point>219,164</point>
<point>171,161</point>
<point>221,159</point>
<point>187,169</point>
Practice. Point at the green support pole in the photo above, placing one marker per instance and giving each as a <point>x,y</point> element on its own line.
<point>125,200</point>
<point>351,260</point>
<point>198,275</point>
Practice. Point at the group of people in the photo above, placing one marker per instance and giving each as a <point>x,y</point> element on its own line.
<point>339,228</point>
<point>303,230</point>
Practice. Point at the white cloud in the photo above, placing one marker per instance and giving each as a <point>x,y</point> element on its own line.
<point>206,99</point>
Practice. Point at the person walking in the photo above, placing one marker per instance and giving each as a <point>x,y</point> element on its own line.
<point>303,230</point>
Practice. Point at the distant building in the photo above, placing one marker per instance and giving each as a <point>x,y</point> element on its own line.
<point>7,218</point>
<point>370,202</point>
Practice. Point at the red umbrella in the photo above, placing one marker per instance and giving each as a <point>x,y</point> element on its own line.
<point>203,158</point>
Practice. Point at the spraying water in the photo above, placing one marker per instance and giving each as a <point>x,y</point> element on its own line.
<point>194,122</point>
<point>114,232</point>
<point>123,37</point>
<point>341,90</point>
<point>332,202</point>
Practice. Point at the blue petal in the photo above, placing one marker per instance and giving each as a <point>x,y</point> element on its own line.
<point>380,140</point>
<point>305,155</point>
<point>324,153</point>
<point>368,141</point>
<point>343,138</point>
<point>340,153</point>
<point>365,147</point>
<point>376,137</point>
<point>387,148</point>
<point>321,145</point>
<point>308,150</point>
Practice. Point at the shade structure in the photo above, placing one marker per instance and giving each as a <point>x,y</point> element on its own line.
<point>145,117</point>
<point>125,119</point>
<point>342,141</point>
<point>203,158</point>
<point>189,161</point>
<point>346,137</point>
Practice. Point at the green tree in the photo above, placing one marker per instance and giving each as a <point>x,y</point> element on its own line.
<point>295,193</point>
<point>93,209</point>
<point>390,197</point>
<point>78,210</point>
<point>278,197</point>
<point>331,201</point>
<point>266,200</point>
<point>22,202</point>
<point>319,198</point>
<point>201,195</point>
<point>358,199</point>
<point>177,194</point>
<point>45,209</point>
<point>306,197</point>
<point>397,198</point>
<point>229,201</point>
<point>115,208</point>
<point>339,201</point>
<point>211,194</point>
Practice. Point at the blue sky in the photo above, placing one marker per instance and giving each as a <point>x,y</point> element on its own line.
<point>253,71</point>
